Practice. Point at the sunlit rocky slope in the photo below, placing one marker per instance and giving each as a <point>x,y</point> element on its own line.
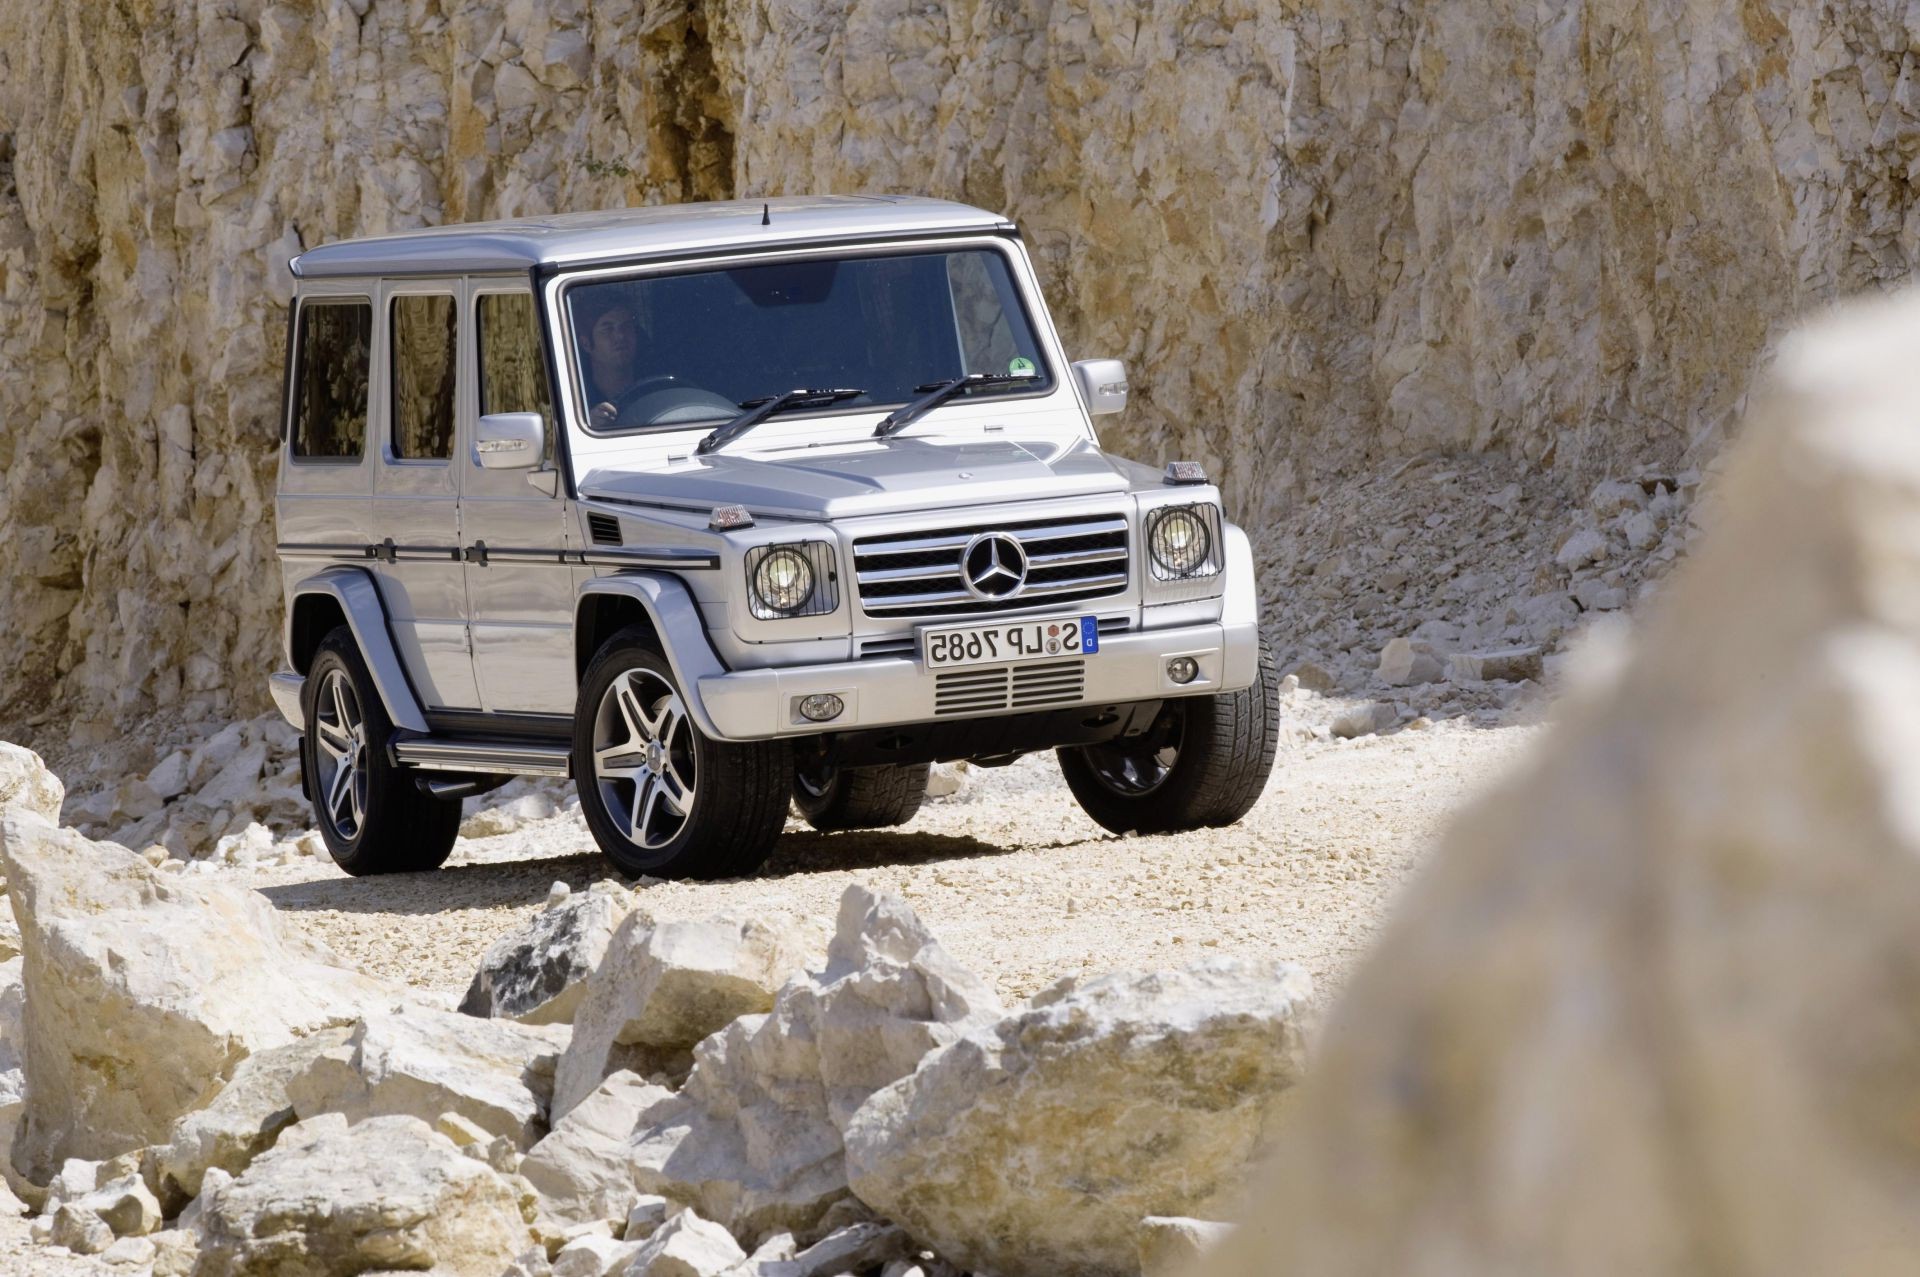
<point>1325,236</point>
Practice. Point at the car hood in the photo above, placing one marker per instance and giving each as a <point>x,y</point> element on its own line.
<point>877,476</point>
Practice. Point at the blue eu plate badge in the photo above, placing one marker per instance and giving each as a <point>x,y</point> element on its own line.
<point>1089,635</point>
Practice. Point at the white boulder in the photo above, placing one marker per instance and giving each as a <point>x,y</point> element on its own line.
<point>754,1138</point>
<point>245,1118</point>
<point>508,817</point>
<point>1405,661</point>
<point>686,1246</point>
<point>857,1248</point>
<point>1585,545</point>
<point>1651,1005</point>
<point>13,1075</point>
<point>168,779</point>
<point>581,1169</point>
<point>144,991</point>
<point>1037,1145</point>
<point>79,1230</point>
<point>126,1206</point>
<point>593,1255</point>
<point>1364,719</point>
<point>27,785</point>
<point>538,974</point>
<point>425,1062</point>
<point>385,1193</point>
<point>660,989</point>
<point>1506,665</point>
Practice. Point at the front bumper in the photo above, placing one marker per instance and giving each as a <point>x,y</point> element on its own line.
<point>762,704</point>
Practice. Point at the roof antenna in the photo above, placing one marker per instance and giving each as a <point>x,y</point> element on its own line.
<point>765,220</point>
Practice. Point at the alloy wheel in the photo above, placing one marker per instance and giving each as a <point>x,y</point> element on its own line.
<point>643,758</point>
<point>1141,764</point>
<point>340,741</point>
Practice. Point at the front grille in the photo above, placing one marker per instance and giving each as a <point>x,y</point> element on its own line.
<point>994,688</point>
<point>919,573</point>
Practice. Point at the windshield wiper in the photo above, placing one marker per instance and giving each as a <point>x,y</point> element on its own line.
<point>935,393</point>
<point>758,410</point>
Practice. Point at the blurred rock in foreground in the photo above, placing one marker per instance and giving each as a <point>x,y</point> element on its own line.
<point>1655,1007</point>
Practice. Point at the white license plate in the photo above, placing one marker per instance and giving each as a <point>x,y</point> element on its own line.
<point>1009,641</point>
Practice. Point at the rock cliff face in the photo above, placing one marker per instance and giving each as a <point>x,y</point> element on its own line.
<point>1322,234</point>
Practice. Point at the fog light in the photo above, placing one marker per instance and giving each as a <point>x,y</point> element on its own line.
<point>821,707</point>
<point>1183,669</point>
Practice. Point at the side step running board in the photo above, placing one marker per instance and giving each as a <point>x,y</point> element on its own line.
<point>518,758</point>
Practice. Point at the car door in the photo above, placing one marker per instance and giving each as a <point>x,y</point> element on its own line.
<point>321,507</point>
<point>514,522</point>
<point>416,510</point>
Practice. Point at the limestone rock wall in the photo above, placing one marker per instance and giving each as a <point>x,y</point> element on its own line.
<point>1322,234</point>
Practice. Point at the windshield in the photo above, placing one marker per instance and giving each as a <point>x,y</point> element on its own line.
<point>682,350</point>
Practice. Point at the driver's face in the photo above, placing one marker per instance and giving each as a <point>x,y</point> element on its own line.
<point>614,337</point>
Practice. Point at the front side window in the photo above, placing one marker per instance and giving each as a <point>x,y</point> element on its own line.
<point>691,349</point>
<point>424,349</point>
<point>334,345</point>
<point>513,372</point>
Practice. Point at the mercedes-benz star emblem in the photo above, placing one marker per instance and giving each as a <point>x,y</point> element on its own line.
<point>993,566</point>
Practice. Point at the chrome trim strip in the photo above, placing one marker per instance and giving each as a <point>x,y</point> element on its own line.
<point>956,541</point>
<point>934,573</point>
<point>684,560</point>
<point>483,756</point>
<point>1070,558</point>
<point>1042,591</point>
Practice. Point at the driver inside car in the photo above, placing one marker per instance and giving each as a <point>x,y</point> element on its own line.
<point>610,342</point>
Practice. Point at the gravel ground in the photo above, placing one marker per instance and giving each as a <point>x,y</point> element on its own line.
<point>1017,883</point>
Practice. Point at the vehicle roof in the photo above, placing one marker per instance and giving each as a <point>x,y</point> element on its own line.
<point>573,238</point>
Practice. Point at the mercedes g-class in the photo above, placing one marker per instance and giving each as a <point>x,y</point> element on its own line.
<point>723,508</point>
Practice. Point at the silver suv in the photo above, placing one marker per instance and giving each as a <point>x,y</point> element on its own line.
<point>721,507</point>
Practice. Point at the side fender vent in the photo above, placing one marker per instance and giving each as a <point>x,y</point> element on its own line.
<point>604,529</point>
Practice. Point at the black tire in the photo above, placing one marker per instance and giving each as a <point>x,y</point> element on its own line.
<point>398,828</point>
<point>832,798</point>
<point>739,790</point>
<point>1202,765</point>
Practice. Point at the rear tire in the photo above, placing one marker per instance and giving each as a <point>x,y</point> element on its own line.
<point>372,816</point>
<point>833,798</point>
<point>660,797</point>
<point>1202,764</point>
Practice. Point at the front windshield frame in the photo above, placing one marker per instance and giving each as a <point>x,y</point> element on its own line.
<point>1048,383</point>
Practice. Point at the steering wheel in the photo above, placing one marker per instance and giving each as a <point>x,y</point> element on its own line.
<point>625,399</point>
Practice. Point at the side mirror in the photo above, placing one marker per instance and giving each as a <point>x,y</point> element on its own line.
<point>510,440</point>
<point>1103,383</point>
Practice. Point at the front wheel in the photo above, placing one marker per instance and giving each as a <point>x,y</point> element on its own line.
<point>373,817</point>
<point>1201,764</point>
<point>660,797</point>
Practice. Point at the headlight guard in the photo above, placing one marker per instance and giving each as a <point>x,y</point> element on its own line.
<point>794,579</point>
<point>1184,542</point>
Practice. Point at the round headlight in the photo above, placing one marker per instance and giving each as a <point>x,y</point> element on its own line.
<point>1180,542</point>
<point>784,581</point>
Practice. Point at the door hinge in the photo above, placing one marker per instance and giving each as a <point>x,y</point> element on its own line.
<point>477,553</point>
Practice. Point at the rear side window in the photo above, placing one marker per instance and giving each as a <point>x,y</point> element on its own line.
<point>423,363</point>
<point>330,379</point>
<point>513,373</point>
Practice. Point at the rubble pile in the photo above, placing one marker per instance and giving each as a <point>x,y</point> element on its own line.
<point>745,1096</point>
<point>1450,585</point>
